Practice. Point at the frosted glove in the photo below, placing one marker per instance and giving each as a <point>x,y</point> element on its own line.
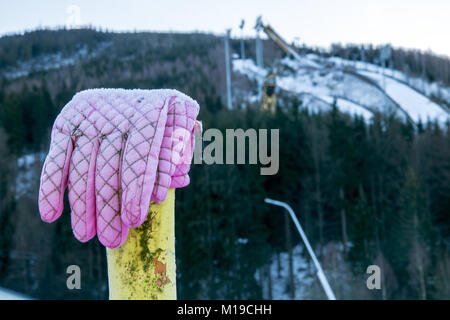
<point>116,150</point>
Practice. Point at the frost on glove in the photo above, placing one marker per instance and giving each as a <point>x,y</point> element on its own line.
<point>116,150</point>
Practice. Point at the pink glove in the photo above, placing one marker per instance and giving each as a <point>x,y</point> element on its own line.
<point>116,150</point>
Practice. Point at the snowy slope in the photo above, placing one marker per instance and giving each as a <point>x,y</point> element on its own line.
<point>322,86</point>
<point>350,108</point>
<point>418,106</point>
<point>419,84</point>
<point>360,90</point>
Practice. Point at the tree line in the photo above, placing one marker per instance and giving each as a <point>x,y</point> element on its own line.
<point>366,192</point>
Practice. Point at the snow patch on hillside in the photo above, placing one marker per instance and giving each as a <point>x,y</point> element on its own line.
<point>249,68</point>
<point>53,61</point>
<point>25,181</point>
<point>350,108</point>
<point>303,276</point>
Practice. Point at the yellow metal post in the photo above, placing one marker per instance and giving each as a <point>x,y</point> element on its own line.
<point>143,268</point>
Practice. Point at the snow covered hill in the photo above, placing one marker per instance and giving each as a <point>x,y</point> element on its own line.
<point>356,87</point>
<point>418,106</point>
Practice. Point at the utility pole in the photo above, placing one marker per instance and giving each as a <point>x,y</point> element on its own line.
<point>259,62</point>
<point>241,26</point>
<point>296,43</point>
<point>259,52</point>
<point>422,55</point>
<point>227,68</point>
<point>385,57</point>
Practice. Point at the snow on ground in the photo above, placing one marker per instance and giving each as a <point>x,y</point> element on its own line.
<point>418,106</point>
<point>302,62</point>
<point>419,84</point>
<point>307,285</point>
<point>333,83</point>
<point>365,66</point>
<point>350,108</point>
<point>53,61</point>
<point>24,175</point>
<point>249,68</point>
<point>304,276</point>
<point>354,95</point>
<point>25,181</point>
<point>316,104</point>
<point>430,89</point>
<point>6,294</point>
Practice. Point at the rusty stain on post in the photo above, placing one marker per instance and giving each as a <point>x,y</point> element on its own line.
<point>143,268</point>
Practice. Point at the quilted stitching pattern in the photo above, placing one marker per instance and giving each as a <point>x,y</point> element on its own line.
<point>116,150</point>
<point>176,150</point>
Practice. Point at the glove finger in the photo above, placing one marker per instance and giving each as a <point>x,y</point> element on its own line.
<point>165,167</point>
<point>177,148</point>
<point>140,161</point>
<point>54,176</point>
<point>183,149</point>
<point>81,187</point>
<point>111,232</point>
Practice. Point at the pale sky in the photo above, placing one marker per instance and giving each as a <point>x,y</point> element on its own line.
<point>421,24</point>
